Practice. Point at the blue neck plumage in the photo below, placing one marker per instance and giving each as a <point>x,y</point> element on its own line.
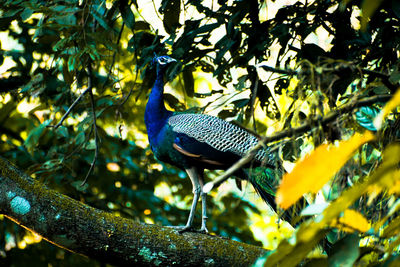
<point>156,114</point>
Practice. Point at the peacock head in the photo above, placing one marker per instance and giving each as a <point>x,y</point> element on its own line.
<point>163,61</point>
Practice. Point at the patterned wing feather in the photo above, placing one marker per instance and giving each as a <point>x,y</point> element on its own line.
<point>217,133</point>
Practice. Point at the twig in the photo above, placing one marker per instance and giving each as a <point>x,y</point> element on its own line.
<point>134,81</point>
<point>291,133</point>
<point>92,102</point>
<point>70,109</point>
<point>253,97</point>
<point>88,89</point>
<point>79,147</point>
<point>114,56</point>
<point>385,78</point>
<point>276,70</point>
<point>374,73</point>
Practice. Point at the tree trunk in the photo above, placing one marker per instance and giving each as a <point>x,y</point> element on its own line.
<point>79,228</point>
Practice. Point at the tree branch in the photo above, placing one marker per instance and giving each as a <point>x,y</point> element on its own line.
<point>77,227</point>
<point>376,74</point>
<point>292,132</point>
<point>276,70</point>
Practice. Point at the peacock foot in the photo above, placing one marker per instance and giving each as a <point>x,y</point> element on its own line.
<point>188,228</point>
<point>203,229</point>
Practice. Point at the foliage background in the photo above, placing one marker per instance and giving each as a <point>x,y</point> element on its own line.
<point>237,61</point>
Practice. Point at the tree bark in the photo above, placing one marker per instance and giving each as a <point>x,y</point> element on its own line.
<point>82,229</point>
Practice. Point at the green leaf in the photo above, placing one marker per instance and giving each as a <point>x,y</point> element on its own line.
<point>173,102</point>
<point>78,186</point>
<point>80,138</point>
<point>100,20</point>
<point>368,9</point>
<point>6,109</point>
<point>11,13</point>
<point>396,7</point>
<point>223,114</point>
<point>205,28</point>
<point>92,51</point>
<point>61,44</point>
<point>91,145</point>
<point>189,81</point>
<point>142,25</point>
<point>365,117</point>
<point>345,252</point>
<point>240,103</point>
<point>26,14</point>
<point>394,77</point>
<point>71,64</point>
<point>34,83</point>
<point>171,15</point>
<point>52,164</point>
<point>34,135</point>
<point>127,15</point>
<point>62,131</point>
<point>67,75</point>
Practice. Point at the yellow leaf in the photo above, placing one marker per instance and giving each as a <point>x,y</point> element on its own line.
<point>390,177</point>
<point>393,102</point>
<point>316,169</point>
<point>395,189</point>
<point>392,229</point>
<point>352,221</point>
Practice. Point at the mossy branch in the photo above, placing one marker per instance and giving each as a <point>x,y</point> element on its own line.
<point>82,229</point>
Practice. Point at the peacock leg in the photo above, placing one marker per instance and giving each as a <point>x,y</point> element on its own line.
<point>194,176</point>
<point>203,207</point>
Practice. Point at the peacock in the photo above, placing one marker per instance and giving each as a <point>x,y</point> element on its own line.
<point>194,142</point>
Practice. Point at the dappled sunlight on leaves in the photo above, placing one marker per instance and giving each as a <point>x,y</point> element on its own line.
<point>269,229</point>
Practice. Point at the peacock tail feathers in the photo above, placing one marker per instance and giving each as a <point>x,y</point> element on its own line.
<point>266,178</point>
<point>265,182</point>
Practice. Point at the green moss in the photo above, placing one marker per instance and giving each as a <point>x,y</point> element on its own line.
<point>10,171</point>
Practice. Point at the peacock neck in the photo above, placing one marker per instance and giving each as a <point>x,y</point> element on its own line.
<point>156,114</point>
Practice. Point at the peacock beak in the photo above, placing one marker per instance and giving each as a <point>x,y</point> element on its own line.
<point>170,60</point>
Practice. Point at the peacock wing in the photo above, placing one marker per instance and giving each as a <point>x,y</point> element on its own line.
<point>205,136</point>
